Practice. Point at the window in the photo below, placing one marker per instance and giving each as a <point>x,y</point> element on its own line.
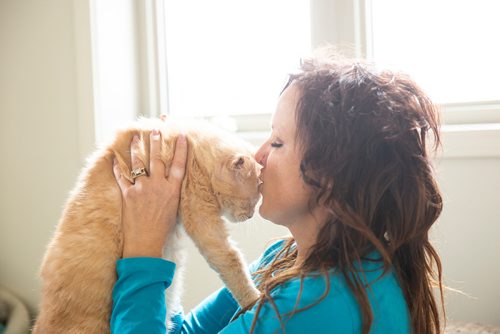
<point>231,57</point>
<point>449,47</point>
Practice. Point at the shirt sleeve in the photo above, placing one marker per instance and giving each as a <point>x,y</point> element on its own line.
<point>210,316</point>
<point>139,300</point>
<point>139,295</point>
<point>214,313</point>
<point>278,317</point>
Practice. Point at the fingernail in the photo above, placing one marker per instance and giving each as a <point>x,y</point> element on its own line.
<point>155,134</point>
<point>136,138</point>
<point>182,138</point>
<point>114,161</point>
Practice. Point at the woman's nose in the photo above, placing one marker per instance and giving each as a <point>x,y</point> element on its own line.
<point>261,155</point>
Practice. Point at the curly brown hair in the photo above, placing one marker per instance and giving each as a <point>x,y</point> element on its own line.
<point>363,137</point>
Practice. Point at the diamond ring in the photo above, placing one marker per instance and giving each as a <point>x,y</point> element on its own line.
<point>138,172</point>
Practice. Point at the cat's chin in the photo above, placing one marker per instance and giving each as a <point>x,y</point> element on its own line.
<point>240,217</point>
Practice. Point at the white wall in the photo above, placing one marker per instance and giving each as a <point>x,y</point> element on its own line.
<point>40,149</point>
<point>38,133</point>
<point>468,237</point>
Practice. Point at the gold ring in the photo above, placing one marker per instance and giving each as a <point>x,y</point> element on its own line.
<point>138,172</point>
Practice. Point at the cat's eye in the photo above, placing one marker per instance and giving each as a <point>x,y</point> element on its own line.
<point>276,144</point>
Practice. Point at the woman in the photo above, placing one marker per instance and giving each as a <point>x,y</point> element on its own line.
<point>346,170</point>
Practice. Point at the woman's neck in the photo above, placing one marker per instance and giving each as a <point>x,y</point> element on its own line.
<point>305,233</point>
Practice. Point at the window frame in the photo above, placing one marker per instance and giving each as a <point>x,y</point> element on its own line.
<point>469,129</point>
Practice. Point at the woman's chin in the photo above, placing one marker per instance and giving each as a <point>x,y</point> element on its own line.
<point>266,214</point>
<point>263,211</point>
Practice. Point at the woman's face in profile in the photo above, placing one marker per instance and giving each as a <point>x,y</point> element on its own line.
<point>285,196</point>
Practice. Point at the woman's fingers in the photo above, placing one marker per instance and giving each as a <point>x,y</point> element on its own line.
<point>123,183</point>
<point>178,167</point>
<point>138,167</point>
<point>156,165</point>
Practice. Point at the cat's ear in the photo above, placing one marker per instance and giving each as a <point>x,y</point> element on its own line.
<point>238,163</point>
<point>241,166</point>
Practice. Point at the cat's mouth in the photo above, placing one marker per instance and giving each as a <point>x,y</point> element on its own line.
<point>245,216</point>
<point>242,216</point>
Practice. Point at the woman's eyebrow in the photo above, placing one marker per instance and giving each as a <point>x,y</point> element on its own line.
<point>275,132</point>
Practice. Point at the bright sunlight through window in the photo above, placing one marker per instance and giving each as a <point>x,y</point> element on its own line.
<point>451,48</point>
<point>232,57</point>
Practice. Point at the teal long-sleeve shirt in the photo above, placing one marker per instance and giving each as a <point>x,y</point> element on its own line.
<point>139,302</point>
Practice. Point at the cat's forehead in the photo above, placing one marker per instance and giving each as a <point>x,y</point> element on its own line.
<point>238,149</point>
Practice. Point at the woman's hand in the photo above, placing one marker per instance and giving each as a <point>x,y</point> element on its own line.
<point>149,210</point>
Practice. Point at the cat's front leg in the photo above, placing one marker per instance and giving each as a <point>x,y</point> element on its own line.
<point>212,239</point>
<point>174,251</point>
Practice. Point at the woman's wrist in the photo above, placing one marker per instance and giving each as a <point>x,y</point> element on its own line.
<point>142,250</point>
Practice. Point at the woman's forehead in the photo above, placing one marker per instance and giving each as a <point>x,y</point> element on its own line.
<point>283,120</point>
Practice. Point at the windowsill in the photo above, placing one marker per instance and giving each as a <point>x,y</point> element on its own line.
<point>471,141</point>
<point>458,140</point>
<point>470,112</point>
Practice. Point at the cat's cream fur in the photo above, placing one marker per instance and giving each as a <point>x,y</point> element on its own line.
<point>78,270</point>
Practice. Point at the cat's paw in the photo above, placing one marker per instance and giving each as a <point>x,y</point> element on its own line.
<point>249,298</point>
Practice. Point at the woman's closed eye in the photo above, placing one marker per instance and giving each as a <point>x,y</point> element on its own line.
<point>275,144</point>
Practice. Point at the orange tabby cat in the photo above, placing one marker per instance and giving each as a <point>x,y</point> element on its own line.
<point>78,270</point>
